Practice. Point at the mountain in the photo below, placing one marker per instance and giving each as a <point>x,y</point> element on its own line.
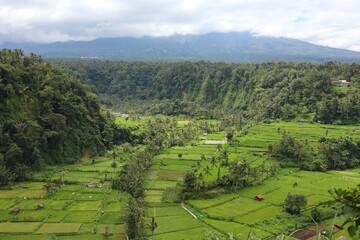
<point>229,47</point>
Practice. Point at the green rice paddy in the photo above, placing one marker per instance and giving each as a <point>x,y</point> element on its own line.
<point>239,213</point>
<point>84,209</point>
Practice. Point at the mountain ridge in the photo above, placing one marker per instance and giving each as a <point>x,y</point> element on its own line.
<point>228,47</point>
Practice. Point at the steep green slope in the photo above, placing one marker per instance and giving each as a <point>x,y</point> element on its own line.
<point>262,91</point>
<point>47,117</point>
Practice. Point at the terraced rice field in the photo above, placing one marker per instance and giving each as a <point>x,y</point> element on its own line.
<point>239,213</point>
<point>83,208</point>
<point>166,173</point>
<point>242,208</point>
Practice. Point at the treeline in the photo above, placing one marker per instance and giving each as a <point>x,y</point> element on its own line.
<point>330,154</point>
<point>159,133</point>
<point>262,91</point>
<point>47,117</point>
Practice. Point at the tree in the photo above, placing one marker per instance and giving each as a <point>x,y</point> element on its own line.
<point>207,170</point>
<point>229,135</point>
<point>213,161</point>
<point>350,205</point>
<point>134,218</point>
<point>294,203</point>
<point>6,177</point>
<point>190,180</point>
<point>152,226</point>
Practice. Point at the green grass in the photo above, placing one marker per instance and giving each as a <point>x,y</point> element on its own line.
<point>117,237</point>
<point>68,208</point>
<point>81,176</point>
<point>168,224</point>
<point>166,211</point>
<point>32,204</point>
<point>113,207</point>
<point>71,213</point>
<point>85,206</point>
<point>259,214</point>
<point>160,184</point>
<point>194,233</point>
<point>213,201</point>
<point>22,193</point>
<point>59,228</point>
<point>26,237</point>
<point>112,218</point>
<point>239,230</point>
<point>172,194</point>
<point>56,216</point>
<point>171,175</point>
<point>72,188</point>
<point>59,204</point>
<point>6,204</point>
<point>216,136</point>
<point>153,196</point>
<point>27,227</point>
<point>89,196</point>
<point>260,136</point>
<point>63,195</point>
<point>236,207</point>
<point>110,228</point>
<point>5,216</point>
<point>31,216</point>
<point>81,217</point>
<point>241,206</point>
<point>117,196</point>
<point>81,237</point>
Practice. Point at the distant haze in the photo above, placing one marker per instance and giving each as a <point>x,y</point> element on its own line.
<point>229,47</point>
<point>325,22</point>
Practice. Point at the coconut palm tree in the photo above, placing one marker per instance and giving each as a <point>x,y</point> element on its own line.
<point>207,170</point>
<point>152,226</point>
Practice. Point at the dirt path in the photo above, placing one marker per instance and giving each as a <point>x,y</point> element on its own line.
<point>186,209</point>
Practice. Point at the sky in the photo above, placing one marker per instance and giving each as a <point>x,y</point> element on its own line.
<point>332,23</point>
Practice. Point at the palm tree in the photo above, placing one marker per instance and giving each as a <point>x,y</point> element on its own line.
<point>225,155</point>
<point>213,161</point>
<point>207,170</point>
<point>152,226</point>
<point>114,166</point>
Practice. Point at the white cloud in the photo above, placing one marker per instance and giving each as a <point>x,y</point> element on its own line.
<point>327,22</point>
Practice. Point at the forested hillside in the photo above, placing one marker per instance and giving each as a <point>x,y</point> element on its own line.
<point>262,91</point>
<point>47,117</point>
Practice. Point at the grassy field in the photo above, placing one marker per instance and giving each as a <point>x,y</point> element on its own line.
<point>84,207</point>
<point>241,207</point>
<point>81,206</point>
<point>166,172</point>
<point>260,136</point>
<point>239,213</point>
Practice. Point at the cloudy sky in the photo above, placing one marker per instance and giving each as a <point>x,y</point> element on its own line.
<point>332,23</point>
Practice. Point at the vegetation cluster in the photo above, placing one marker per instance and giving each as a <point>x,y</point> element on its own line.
<point>213,90</point>
<point>329,154</point>
<point>47,117</point>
